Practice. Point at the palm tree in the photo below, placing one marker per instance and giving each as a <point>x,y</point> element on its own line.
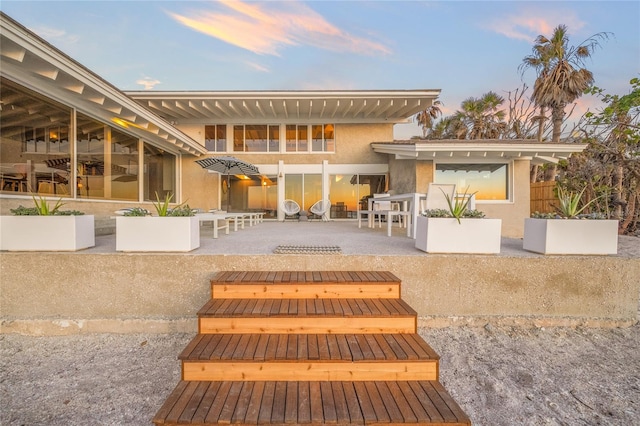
<point>482,116</point>
<point>426,118</point>
<point>561,77</point>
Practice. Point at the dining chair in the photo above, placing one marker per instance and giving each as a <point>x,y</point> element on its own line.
<point>437,196</point>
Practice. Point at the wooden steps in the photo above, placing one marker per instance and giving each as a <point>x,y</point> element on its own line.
<point>302,316</point>
<point>309,357</point>
<point>311,403</point>
<point>311,347</point>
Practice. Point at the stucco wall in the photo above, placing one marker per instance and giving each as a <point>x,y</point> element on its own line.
<point>53,293</point>
<point>402,175</point>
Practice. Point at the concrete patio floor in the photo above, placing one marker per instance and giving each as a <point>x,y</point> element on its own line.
<point>263,238</point>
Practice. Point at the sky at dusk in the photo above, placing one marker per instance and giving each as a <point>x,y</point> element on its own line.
<point>464,48</point>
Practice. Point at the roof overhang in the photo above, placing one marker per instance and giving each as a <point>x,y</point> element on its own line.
<point>473,150</point>
<point>35,64</point>
<point>360,106</point>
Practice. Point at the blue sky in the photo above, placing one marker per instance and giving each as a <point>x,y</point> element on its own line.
<point>464,48</point>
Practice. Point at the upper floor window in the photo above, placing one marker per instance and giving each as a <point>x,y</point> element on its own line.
<point>256,138</point>
<point>215,138</point>
<point>322,139</point>
<point>297,138</point>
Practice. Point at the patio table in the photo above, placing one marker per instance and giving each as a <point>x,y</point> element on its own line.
<point>410,202</point>
<point>220,221</point>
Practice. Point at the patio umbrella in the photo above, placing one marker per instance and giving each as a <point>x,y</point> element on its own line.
<point>228,166</point>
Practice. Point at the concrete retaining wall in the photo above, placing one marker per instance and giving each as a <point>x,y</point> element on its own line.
<point>63,293</point>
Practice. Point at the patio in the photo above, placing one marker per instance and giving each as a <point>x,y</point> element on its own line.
<point>265,237</point>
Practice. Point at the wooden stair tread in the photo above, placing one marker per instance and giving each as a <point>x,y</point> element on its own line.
<point>313,403</point>
<point>301,308</point>
<point>308,347</point>
<point>327,277</point>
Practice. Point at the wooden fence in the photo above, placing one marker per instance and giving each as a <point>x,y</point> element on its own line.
<point>543,197</point>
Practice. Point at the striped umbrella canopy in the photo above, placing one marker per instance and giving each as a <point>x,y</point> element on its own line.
<point>228,166</point>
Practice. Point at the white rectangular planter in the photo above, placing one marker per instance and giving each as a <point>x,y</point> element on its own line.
<point>47,233</point>
<point>158,234</point>
<point>570,236</point>
<point>446,235</point>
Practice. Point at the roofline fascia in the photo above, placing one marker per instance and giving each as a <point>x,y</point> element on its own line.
<point>479,146</point>
<point>287,94</point>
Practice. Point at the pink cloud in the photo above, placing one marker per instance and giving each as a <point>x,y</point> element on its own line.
<point>268,27</point>
<point>531,23</point>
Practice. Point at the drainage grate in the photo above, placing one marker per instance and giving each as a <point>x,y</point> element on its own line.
<point>308,250</point>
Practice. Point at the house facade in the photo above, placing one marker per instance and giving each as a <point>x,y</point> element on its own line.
<point>67,133</point>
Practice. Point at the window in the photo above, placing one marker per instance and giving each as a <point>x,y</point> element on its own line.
<point>297,140</point>
<point>160,176</point>
<point>124,166</point>
<point>34,142</point>
<point>304,189</point>
<point>490,180</point>
<point>322,139</point>
<point>215,138</point>
<point>256,138</point>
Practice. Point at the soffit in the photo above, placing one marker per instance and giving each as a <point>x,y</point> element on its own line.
<point>479,150</point>
<point>35,64</point>
<point>377,106</point>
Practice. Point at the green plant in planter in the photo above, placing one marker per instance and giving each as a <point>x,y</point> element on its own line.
<point>137,212</point>
<point>458,209</point>
<point>43,208</point>
<point>163,209</point>
<point>468,214</point>
<point>458,206</point>
<point>569,207</point>
<point>182,211</point>
<point>569,203</point>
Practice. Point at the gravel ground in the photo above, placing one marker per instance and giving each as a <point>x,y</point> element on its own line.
<point>499,375</point>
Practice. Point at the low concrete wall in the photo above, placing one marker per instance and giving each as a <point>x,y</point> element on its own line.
<point>63,293</point>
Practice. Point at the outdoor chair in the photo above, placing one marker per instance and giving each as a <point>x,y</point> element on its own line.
<point>290,208</point>
<point>436,198</point>
<point>390,210</point>
<point>320,208</point>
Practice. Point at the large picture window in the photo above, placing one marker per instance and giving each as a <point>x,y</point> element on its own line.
<point>489,180</point>
<point>34,143</point>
